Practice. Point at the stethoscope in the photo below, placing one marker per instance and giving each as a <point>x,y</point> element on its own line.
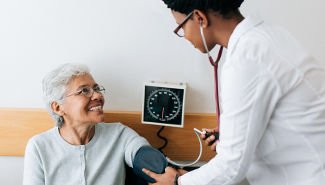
<point>215,66</point>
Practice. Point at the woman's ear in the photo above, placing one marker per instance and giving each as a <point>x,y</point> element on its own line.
<point>201,18</point>
<point>57,108</point>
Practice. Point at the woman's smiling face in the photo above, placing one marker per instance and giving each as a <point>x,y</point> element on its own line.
<point>78,108</point>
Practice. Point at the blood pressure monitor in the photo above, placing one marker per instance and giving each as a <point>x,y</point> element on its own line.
<point>163,104</point>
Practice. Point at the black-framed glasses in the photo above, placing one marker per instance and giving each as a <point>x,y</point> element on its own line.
<point>88,91</point>
<point>179,30</point>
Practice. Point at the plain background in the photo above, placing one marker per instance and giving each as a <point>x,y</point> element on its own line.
<point>124,43</point>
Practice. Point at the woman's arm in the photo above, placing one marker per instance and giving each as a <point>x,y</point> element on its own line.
<point>132,143</point>
<point>33,171</point>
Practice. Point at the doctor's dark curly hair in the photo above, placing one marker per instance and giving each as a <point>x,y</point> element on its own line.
<point>224,7</point>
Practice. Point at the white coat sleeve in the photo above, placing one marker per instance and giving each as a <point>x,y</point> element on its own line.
<point>33,171</point>
<point>248,100</point>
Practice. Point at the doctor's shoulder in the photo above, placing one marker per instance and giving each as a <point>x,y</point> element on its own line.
<point>265,43</point>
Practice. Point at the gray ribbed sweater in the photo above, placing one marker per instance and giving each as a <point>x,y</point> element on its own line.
<point>50,160</point>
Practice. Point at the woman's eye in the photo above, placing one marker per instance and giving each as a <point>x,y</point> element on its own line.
<point>85,90</point>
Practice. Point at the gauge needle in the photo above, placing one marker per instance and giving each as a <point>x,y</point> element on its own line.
<point>162,114</point>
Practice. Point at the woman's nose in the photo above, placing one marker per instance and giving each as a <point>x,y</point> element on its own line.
<point>97,95</point>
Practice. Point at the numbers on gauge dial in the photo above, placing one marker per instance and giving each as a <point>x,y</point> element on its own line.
<point>163,104</point>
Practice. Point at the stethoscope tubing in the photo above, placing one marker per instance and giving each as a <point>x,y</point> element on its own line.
<point>215,66</point>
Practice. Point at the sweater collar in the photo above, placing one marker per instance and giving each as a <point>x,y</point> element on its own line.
<point>77,147</point>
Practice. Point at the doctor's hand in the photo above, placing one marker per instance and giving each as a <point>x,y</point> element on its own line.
<point>209,140</point>
<point>166,178</point>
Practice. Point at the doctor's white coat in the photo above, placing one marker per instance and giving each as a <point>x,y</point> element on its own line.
<point>272,123</point>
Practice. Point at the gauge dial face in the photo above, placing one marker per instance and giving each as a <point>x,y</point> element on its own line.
<point>163,105</point>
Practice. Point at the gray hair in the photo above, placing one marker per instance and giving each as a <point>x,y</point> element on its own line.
<point>55,85</point>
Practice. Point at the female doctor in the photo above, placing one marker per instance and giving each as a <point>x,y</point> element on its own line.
<point>272,100</point>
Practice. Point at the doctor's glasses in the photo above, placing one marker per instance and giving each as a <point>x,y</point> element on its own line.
<point>179,30</point>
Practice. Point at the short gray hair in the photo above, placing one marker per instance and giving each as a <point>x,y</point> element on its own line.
<point>55,85</point>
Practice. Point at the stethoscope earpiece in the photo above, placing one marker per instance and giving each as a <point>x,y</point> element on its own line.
<point>201,20</point>
<point>206,47</point>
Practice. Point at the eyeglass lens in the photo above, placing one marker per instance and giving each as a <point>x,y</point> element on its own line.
<point>88,91</point>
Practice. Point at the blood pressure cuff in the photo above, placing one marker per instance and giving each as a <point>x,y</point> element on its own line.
<point>151,159</point>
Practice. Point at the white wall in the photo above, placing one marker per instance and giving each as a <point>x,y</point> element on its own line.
<point>125,43</point>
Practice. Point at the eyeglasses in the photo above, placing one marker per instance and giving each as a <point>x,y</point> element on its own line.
<point>179,30</point>
<point>88,91</point>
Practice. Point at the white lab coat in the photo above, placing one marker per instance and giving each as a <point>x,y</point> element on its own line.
<point>272,123</point>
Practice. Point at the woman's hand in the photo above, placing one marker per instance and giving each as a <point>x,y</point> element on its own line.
<point>166,178</point>
<point>209,141</point>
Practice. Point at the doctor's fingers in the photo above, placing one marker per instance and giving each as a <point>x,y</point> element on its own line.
<point>210,130</point>
<point>170,170</point>
<point>202,136</point>
<point>166,178</point>
<point>213,147</point>
<point>151,174</point>
<point>181,171</point>
<point>209,141</point>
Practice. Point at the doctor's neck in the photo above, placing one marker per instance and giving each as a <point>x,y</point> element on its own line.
<point>221,27</point>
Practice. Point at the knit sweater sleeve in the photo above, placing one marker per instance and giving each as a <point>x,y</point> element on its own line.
<point>33,170</point>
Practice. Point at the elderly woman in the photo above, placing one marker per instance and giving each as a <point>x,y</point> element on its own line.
<point>80,149</point>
